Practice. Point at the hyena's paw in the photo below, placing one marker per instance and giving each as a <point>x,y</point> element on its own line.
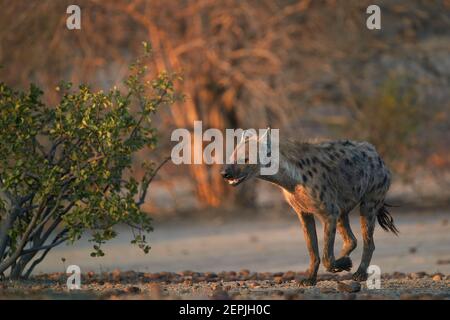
<point>341,264</point>
<point>360,275</point>
<point>308,282</point>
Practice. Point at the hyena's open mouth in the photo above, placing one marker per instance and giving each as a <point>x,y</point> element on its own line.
<point>235,181</point>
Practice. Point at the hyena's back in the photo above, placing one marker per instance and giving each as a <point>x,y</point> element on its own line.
<point>359,174</point>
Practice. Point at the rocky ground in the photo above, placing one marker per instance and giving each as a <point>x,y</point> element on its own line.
<point>226,285</point>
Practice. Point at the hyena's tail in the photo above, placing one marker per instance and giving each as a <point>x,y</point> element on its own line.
<point>385,220</point>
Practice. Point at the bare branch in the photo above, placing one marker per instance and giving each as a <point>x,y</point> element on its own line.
<point>145,184</point>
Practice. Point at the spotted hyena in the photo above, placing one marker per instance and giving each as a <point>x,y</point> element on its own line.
<point>327,180</point>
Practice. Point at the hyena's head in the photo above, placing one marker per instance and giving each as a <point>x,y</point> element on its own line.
<point>246,160</point>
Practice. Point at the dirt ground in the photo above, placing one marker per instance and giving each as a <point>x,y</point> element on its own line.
<point>226,285</point>
<point>269,252</point>
<point>265,243</point>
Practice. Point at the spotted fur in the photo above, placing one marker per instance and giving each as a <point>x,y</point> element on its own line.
<point>326,181</point>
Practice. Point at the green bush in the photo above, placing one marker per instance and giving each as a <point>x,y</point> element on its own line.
<point>65,170</point>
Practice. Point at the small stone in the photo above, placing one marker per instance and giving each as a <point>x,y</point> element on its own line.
<point>397,275</point>
<point>133,290</point>
<point>151,276</point>
<point>351,286</point>
<point>437,277</point>
<point>289,275</point>
<point>116,275</point>
<point>278,280</point>
<point>327,290</point>
<point>210,275</point>
<point>220,295</point>
<point>412,250</point>
<point>187,273</point>
<point>417,275</point>
<point>244,273</point>
<point>216,286</point>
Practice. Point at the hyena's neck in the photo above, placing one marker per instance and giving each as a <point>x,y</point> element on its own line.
<point>291,157</point>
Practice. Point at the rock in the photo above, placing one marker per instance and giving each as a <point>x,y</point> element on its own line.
<point>417,275</point>
<point>278,280</point>
<point>349,296</point>
<point>244,272</point>
<point>289,275</point>
<point>264,276</point>
<point>327,290</point>
<point>210,275</point>
<point>438,277</point>
<point>278,274</point>
<point>240,283</point>
<point>350,287</point>
<point>132,290</point>
<point>253,276</point>
<point>326,277</point>
<point>220,294</point>
<point>187,273</point>
<point>151,276</point>
<point>116,275</point>
<point>216,286</point>
<point>230,276</point>
<point>347,276</point>
<point>130,275</point>
<point>397,275</point>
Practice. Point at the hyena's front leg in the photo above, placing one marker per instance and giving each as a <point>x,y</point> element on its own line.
<point>332,265</point>
<point>309,230</point>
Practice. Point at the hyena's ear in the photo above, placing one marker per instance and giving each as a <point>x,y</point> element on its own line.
<point>243,136</point>
<point>265,138</point>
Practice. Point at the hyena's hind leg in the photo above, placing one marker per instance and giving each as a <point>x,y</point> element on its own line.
<point>349,239</point>
<point>329,232</point>
<point>368,211</point>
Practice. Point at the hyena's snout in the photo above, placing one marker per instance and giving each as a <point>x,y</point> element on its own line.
<point>232,174</point>
<point>226,173</point>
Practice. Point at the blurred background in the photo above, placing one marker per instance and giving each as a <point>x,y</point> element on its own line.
<point>310,68</point>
